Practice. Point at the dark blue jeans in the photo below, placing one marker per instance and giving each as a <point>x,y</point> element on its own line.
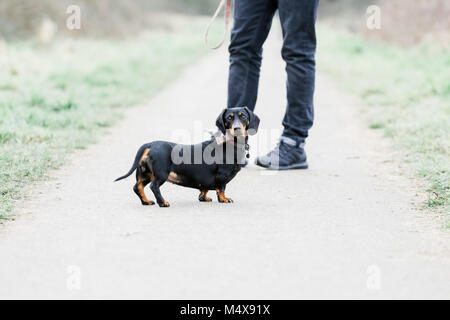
<point>252,22</point>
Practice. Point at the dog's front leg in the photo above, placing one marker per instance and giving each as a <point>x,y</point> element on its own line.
<point>221,196</point>
<point>203,196</point>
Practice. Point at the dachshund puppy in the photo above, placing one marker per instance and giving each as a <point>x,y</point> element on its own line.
<point>209,165</point>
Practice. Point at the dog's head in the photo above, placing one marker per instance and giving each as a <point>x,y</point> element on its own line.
<point>238,121</point>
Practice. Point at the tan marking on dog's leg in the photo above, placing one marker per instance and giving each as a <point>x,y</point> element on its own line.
<point>141,193</point>
<point>221,197</point>
<point>203,196</point>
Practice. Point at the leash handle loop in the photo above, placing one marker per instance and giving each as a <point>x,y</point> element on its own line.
<point>228,6</point>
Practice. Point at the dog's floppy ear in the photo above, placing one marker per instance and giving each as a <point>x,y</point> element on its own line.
<point>254,122</point>
<point>220,123</point>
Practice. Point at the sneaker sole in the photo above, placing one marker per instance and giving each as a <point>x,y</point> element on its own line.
<point>297,166</point>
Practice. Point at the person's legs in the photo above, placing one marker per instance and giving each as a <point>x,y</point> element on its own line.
<point>299,47</point>
<point>252,22</point>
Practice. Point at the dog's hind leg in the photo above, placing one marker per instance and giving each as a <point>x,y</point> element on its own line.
<point>142,179</point>
<point>156,184</point>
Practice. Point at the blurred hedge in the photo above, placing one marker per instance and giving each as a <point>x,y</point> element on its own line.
<point>404,21</point>
<point>24,18</point>
<point>409,22</point>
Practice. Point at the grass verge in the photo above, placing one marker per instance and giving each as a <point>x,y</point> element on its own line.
<point>57,99</point>
<point>407,92</point>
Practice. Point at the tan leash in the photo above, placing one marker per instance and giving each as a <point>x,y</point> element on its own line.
<point>228,6</point>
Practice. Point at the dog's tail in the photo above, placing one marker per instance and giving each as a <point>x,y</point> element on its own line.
<point>136,161</point>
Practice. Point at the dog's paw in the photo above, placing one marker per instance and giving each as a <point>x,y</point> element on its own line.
<point>221,197</point>
<point>149,203</point>
<point>204,199</point>
<point>165,204</point>
<point>225,200</point>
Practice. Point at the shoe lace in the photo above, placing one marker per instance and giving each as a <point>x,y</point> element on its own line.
<point>278,149</point>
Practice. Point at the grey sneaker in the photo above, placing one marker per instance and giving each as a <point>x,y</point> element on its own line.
<point>287,155</point>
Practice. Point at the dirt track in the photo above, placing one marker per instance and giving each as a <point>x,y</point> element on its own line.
<point>346,228</point>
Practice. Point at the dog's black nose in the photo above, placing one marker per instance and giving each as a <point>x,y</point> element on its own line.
<point>237,128</point>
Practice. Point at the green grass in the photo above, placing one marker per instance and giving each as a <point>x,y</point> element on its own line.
<point>407,93</point>
<point>54,100</point>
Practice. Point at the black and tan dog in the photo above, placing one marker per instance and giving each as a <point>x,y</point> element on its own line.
<point>206,166</point>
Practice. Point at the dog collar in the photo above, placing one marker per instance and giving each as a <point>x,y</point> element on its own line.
<point>224,138</point>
